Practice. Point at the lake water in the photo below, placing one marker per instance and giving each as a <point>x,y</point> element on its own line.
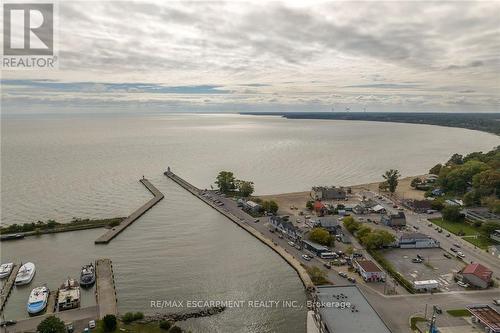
<point>64,166</point>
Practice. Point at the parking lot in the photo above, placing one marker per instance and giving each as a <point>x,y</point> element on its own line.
<point>435,266</point>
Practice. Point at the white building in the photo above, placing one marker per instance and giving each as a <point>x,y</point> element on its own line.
<point>425,285</point>
<point>416,240</point>
<point>368,270</point>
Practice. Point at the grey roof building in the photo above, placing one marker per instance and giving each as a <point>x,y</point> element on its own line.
<point>345,309</point>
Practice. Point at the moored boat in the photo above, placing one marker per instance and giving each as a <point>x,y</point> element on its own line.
<point>68,296</point>
<point>5,270</point>
<point>25,274</point>
<point>37,302</point>
<point>87,276</point>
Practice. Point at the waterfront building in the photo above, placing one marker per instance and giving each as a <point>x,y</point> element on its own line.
<point>329,193</point>
<point>416,240</point>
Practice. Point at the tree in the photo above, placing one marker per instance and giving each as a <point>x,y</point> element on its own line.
<point>455,159</point>
<point>351,224</point>
<point>415,182</point>
<point>109,321</point>
<point>245,188</point>
<point>175,329</point>
<point>487,182</point>
<point>488,227</point>
<point>310,204</point>
<point>452,213</point>
<point>165,325</point>
<point>391,177</point>
<point>225,181</point>
<point>458,177</point>
<point>320,236</point>
<point>436,169</point>
<point>472,198</point>
<point>270,206</point>
<point>51,324</point>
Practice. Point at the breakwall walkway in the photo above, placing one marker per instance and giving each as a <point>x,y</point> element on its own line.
<point>105,291</point>
<point>7,287</point>
<point>113,232</point>
<point>290,259</point>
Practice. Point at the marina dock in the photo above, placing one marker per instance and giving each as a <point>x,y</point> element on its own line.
<point>113,232</point>
<point>105,288</point>
<point>7,287</point>
<point>244,223</point>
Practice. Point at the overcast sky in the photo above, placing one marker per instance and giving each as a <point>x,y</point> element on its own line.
<point>240,56</point>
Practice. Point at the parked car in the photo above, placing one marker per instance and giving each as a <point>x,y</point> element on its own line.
<point>452,249</point>
<point>438,309</point>
<point>456,245</point>
<point>256,220</point>
<point>415,227</point>
<point>463,284</point>
<point>416,260</point>
<point>460,254</point>
<point>7,323</point>
<point>327,265</point>
<point>448,235</point>
<point>306,257</point>
<point>92,324</point>
<point>292,244</point>
<point>447,256</point>
<point>420,257</point>
<point>496,301</point>
<point>344,275</point>
<point>351,279</point>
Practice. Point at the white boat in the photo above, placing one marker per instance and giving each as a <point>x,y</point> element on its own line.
<point>37,302</point>
<point>25,274</point>
<point>5,270</point>
<point>69,295</point>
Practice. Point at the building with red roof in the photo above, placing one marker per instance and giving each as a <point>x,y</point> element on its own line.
<point>477,275</point>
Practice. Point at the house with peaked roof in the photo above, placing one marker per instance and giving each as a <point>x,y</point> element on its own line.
<point>284,226</point>
<point>368,270</point>
<point>394,220</point>
<point>477,275</point>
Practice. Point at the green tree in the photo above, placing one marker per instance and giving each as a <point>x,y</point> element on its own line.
<point>391,178</point>
<point>488,227</point>
<point>452,213</point>
<point>436,169</point>
<point>472,198</point>
<point>51,324</point>
<point>455,159</point>
<point>225,181</point>
<point>487,182</point>
<point>270,206</point>
<point>175,329</point>
<point>320,236</point>
<point>351,224</point>
<point>165,325</point>
<point>310,204</point>
<point>458,177</point>
<point>109,321</point>
<point>363,231</point>
<point>245,188</point>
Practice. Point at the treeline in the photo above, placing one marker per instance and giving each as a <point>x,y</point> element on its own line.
<point>474,177</point>
<point>228,184</point>
<point>487,122</point>
<point>52,225</point>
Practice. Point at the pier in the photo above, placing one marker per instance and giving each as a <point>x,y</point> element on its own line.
<point>113,232</point>
<point>244,222</point>
<point>105,288</point>
<point>7,287</point>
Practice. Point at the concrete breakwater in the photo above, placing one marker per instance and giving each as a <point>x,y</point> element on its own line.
<point>113,232</point>
<point>290,259</point>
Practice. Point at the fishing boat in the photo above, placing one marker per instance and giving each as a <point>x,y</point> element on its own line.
<point>87,276</point>
<point>69,295</point>
<point>25,274</point>
<point>5,270</point>
<point>37,302</point>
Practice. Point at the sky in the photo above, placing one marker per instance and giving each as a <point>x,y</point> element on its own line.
<point>267,56</point>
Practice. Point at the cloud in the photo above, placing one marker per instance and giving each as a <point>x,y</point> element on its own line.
<point>396,55</point>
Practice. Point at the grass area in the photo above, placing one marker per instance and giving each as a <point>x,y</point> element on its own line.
<point>318,276</point>
<point>480,241</point>
<point>414,321</point>
<point>459,312</point>
<point>455,227</point>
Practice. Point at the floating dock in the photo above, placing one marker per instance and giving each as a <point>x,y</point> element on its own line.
<point>105,288</point>
<point>290,259</point>
<point>7,287</point>
<point>113,232</point>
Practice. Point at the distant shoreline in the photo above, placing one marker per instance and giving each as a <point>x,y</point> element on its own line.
<point>485,122</point>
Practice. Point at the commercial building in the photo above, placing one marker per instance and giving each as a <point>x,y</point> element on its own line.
<point>480,214</point>
<point>426,285</point>
<point>394,220</point>
<point>315,248</point>
<point>329,223</point>
<point>342,309</point>
<point>329,193</point>
<point>284,226</point>
<point>476,275</point>
<point>252,206</point>
<point>486,316</point>
<point>368,270</point>
<point>416,240</point>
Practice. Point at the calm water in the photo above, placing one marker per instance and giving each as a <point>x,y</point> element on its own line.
<point>59,167</point>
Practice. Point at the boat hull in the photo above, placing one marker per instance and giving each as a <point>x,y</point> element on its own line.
<point>36,308</point>
<point>23,279</point>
